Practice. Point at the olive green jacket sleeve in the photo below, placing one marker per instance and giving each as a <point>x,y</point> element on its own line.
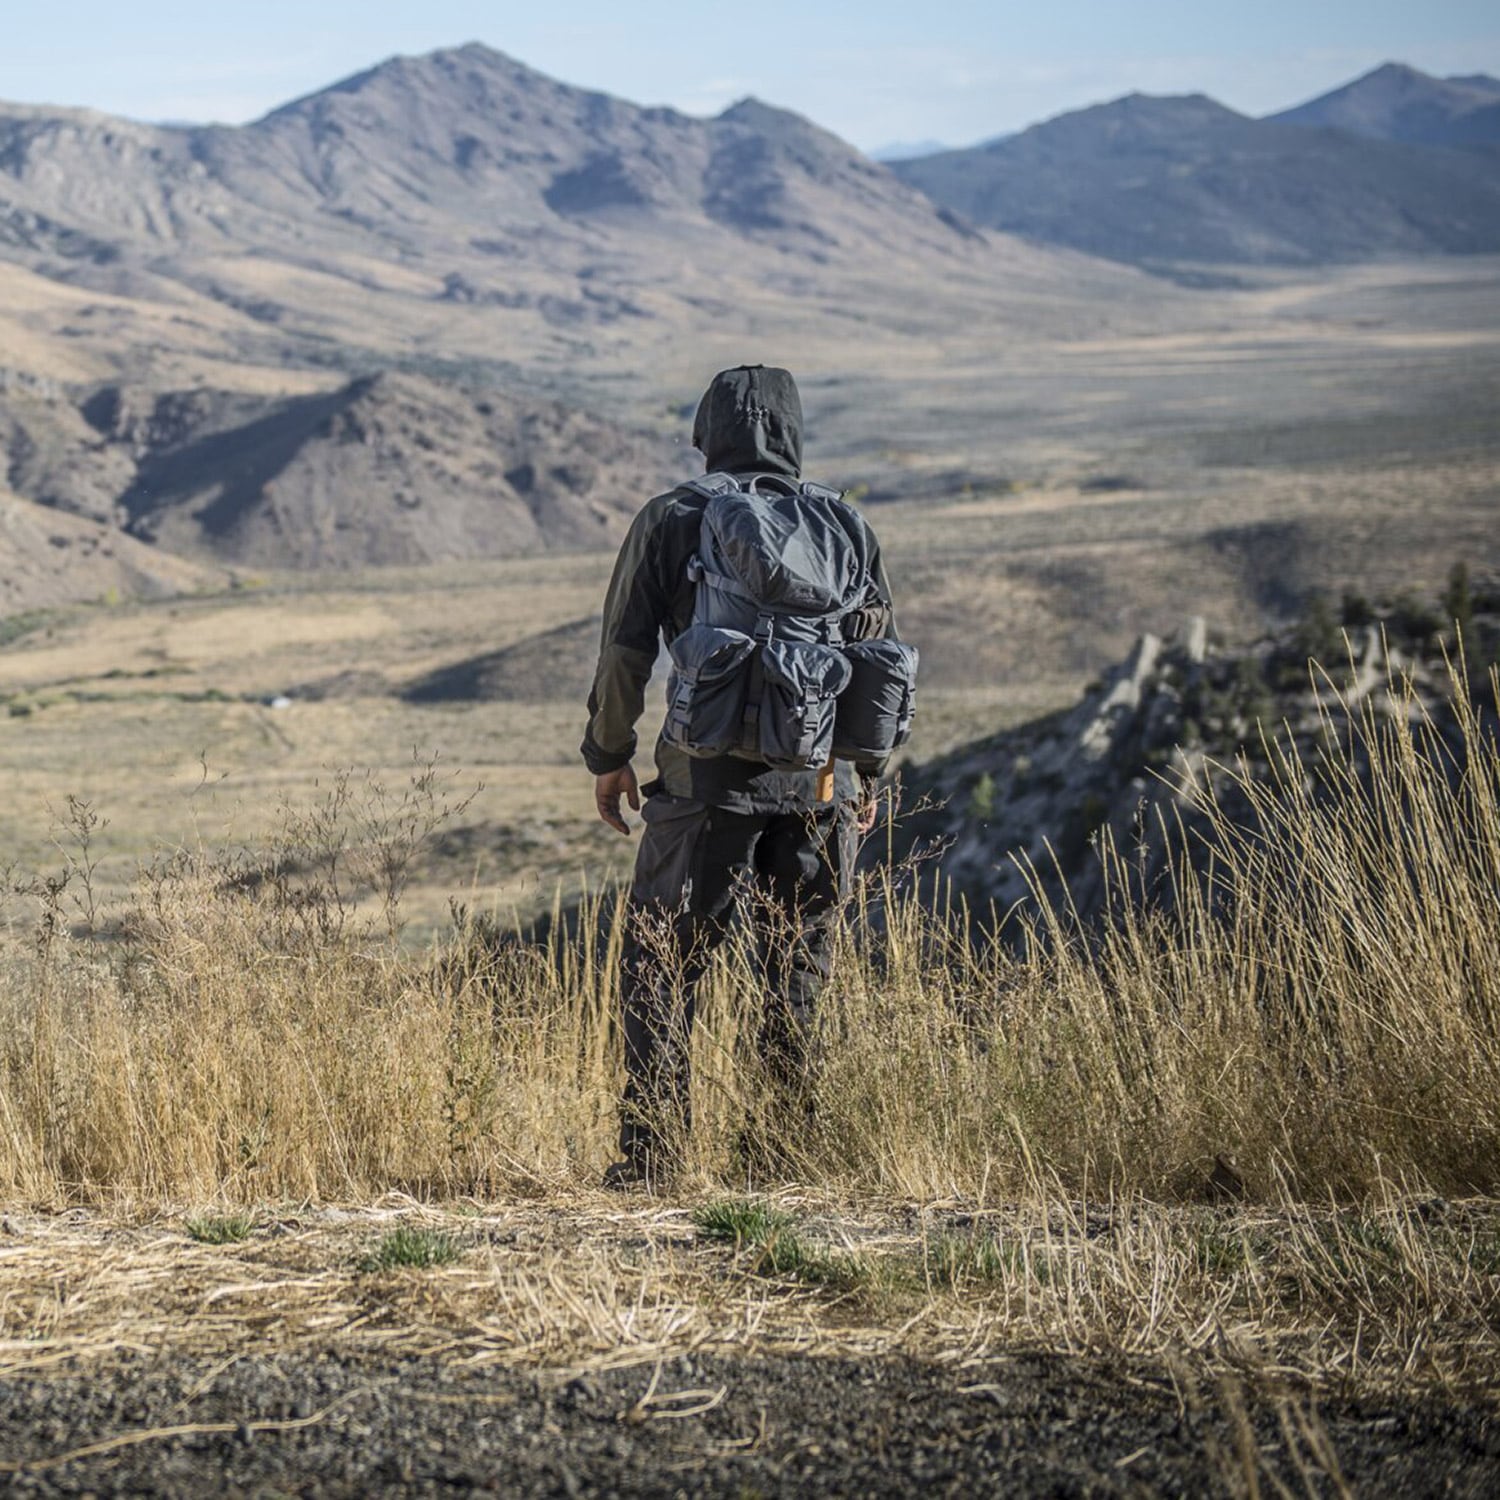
<point>638,604</point>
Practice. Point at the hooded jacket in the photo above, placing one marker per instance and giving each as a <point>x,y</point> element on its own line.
<point>748,422</point>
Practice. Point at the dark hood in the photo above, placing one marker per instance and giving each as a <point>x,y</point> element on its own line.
<point>750,420</point>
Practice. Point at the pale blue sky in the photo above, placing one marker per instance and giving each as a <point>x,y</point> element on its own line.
<point>876,71</point>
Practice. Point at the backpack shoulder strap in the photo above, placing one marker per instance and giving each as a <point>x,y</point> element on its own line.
<point>709,485</point>
<point>820,491</point>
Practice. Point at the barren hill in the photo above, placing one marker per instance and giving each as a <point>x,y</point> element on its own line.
<point>1184,179</point>
<point>556,663</point>
<point>385,469</point>
<point>468,140</point>
<point>499,217</point>
<point>49,558</point>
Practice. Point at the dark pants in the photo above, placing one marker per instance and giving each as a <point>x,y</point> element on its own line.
<point>693,864</point>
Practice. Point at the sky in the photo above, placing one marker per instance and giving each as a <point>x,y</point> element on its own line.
<point>877,72</point>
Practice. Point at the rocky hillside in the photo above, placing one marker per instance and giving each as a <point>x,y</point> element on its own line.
<point>461,176</point>
<point>386,469</point>
<point>49,558</point>
<point>461,142</point>
<point>1151,180</point>
<point>1047,791</point>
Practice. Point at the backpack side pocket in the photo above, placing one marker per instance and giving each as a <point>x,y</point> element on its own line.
<point>802,683</point>
<point>875,711</point>
<point>707,690</point>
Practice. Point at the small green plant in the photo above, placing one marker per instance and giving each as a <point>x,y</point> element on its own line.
<point>417,1248</point>
<point>779,1249</point>
<point>14,627</point>
<point>1482,1254</point>
<point>982,798</point>
<point>788,1254</point>
<point>1317,637</point>
<point>952,1261</point>
<point>1356,611</point>
<point>220,1229</point>
<point>1458,601</point>
<point>740,1221</point>
<point>1414,620</point>
<point>1220,1253</point>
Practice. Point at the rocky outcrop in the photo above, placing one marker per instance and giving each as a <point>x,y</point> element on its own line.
<point>1120,764</point>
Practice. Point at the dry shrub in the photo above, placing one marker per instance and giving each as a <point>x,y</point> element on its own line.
<point>1321,1011</point>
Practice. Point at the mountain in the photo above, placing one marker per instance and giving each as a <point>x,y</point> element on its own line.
<point>1149,180</point>
<point>460,215</point>
<point>549,203</point>
<point>1398,103</point>
<point>199,309</point>
<point>386,469</point>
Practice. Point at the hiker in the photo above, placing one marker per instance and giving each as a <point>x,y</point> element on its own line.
<point>787,694</point>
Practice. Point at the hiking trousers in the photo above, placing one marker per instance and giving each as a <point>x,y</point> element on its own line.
<point>696,864</point>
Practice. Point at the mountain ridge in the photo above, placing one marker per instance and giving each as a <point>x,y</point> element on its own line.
<point>1150,179</point>
<point>1396,102</point>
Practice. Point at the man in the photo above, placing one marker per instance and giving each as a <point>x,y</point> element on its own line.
<point>715,825</point>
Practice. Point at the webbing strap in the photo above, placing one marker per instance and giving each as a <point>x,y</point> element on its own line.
<point>725,585</point>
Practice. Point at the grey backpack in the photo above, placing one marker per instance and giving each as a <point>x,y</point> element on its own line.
<point>764,671</point>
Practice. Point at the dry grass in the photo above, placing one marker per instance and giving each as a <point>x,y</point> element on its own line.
<point>1314,1034</point>
<point>1306,1298</point>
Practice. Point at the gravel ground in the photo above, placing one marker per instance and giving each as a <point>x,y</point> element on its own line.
<point>325,1424</point>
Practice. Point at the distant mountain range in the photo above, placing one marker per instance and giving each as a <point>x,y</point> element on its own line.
<point>208,309</point>
<point>358,331</point>
<point>465,152</point>
<point>1396,163</point>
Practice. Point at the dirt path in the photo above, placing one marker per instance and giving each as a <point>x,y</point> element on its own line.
<point>617,1348</point>
<point>1042,1425</point>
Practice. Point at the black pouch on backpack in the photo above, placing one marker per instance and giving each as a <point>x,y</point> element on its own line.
<point>875,712</point>
<point>707,691</point>
<point>802,683</point>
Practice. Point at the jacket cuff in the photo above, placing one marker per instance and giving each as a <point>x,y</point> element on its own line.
<point>602,762</point>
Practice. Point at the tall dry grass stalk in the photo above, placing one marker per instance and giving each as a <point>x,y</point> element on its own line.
<point>1322,1009</point>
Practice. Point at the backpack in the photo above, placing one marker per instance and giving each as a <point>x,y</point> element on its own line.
<point>764,672</point>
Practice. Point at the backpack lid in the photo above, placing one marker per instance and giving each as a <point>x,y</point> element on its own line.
<point>792,553</point>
